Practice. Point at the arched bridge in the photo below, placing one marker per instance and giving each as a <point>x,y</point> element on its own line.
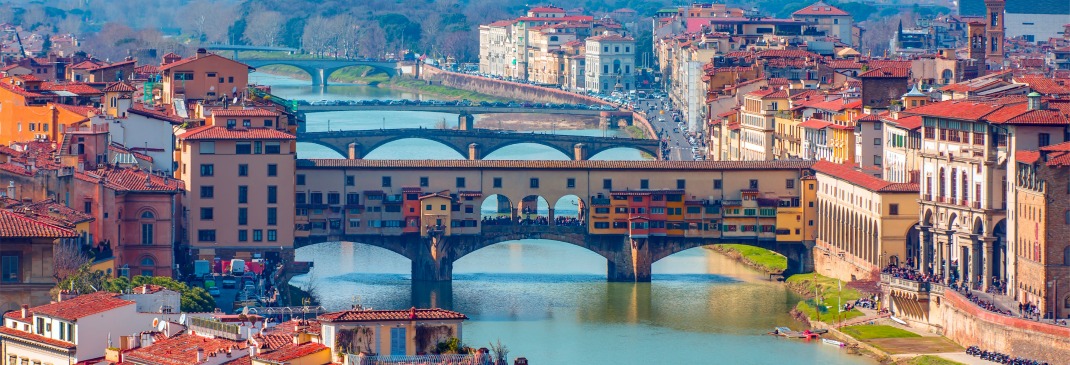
<point>629,259</point>
<point>321,69</point>
<point>463,109</point>
<point>473,143</point>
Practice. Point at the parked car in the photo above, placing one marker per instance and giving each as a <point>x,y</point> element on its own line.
<point>230,283</point>
<point>214,291</point>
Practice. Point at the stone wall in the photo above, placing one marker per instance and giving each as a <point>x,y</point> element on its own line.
<point>969,325</point>
<point>504,89</point>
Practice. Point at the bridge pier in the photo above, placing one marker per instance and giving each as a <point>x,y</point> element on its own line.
<point>355,152</point>
<point>629,261</point>
<point>579,152</point>
<point>432,261</point>
<point>800,257</point>
<point>466,121</point>
<point>319,77</point>
<point>475,151</point>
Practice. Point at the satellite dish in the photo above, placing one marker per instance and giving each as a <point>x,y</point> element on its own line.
<point>182,319</point>
<point>161,327</point>
<point>155,322</point>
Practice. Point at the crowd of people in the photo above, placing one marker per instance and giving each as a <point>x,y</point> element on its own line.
<point>1000,358</point>
<point>989,306</point>
<point>908,273</point>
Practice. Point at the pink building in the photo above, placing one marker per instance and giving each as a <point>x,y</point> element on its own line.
<point>239,190</point>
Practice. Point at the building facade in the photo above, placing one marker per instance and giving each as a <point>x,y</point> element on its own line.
<point>610,64</point>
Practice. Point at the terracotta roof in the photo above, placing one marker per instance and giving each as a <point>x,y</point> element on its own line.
<point>58,213</point>
<point>547,9</point>
<point>182,350</point>
<point>120,87</point>
<point>16,315</point>
<point>548,164</point>
<point>6,333</point>
<point>20,91</point>
<point>79,88</point>
<point>82,306</point>
<point>866,181</point>
<point>210,132</point>
<point>131,179</point>
<point>909,123</point>
<point>191,59</point>
<point>246,112</point>
<point>85,111</point>
<point>1045,85</point>
<point>844,64</point>
<point>391,315</point>
<point>821,8</point>
<point>1061,147</point>
<point>113,65</point>
<point>165,114</point>
<point>1029,157</point>
<point>15,225</point>
<point>1060,160</point>
<point>501,23</point>
<point>1020,114</point>
<point>291,352</point>
<point>814,123</point>
<point>889,72</point>
<point>956,109</point>
<point>85,65</point>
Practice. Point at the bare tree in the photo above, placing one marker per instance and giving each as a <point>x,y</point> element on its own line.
<point>263,28</point>
<point>373,40</point>
<point>67,258</point>
<point>318,35</point>
<point>209,20</point>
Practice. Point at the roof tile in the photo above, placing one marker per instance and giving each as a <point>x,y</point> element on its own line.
<point>391,315</point>
<point>866,181</point>
<point>15,225</point>
<point>82,306</point>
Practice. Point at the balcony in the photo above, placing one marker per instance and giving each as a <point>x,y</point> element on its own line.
<point>916,287</point>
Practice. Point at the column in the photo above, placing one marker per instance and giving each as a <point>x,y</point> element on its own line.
<point>945,258</point>
<point>987,244</point>
<point>923,255</point>
<point>977,255</point>
<point>550,216</point>
<point>961,250</point>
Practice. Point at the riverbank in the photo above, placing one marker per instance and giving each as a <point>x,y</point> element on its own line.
<point>760,259</point>
<point>368,76</point>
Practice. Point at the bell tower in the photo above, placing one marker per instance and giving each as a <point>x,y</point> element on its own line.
<point>994,32</point>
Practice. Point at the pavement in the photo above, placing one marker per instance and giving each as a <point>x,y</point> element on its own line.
<point>659,113</point>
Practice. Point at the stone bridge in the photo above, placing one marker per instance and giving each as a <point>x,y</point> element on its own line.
<point>473,143</point>
<point>469,109</point>
<point>321,69</point>
<point>629,259</point>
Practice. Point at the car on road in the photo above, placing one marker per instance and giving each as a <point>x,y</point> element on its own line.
<point>229,282</point>
<point>214,291</point>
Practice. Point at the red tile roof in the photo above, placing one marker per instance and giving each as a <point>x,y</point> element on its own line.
<point>820,8</point>
<point>182,350</point>
<point>292,352</point>
<point>119,87</point>
<point>546,9</point>
<point>247,112</point>
<point>164,114</point>
<point>866,181</point>
<point>210,132</point>
<point>1061,147</point>
<point>787,53</point>
<point>1028,157</point>
<point>1060,160</point>
<point>79,88</point>
<point>194,58</point>
<point>82,306</point>
<point>13,334</point>
<point>391,315</point>
<point>85,111</point>
<point>20,91</point>
<point>60,214</point>
<point>15,225</point>
<point>548,164</point>
<point>1020,114</point>
<point>955,109</point>
<point>909,123</point>
<point>887,72</point>
<point>814,123</point>
<point>132,180</point>
<point>85,65</point>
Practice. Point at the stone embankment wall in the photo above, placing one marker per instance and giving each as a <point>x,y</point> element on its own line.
<point>504,89</point>
<point>968,325</point>
<point>828,262</point>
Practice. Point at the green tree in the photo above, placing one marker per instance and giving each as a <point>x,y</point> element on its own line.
<point>86,280</point>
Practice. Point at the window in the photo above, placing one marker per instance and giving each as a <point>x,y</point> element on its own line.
<point>893,209</point>
<point>386,181</point>
<point>183,76</point>
<point>206,235</point>
<point>717,184</point>
<point>230,79</point>
<point>231,123</point>
<point>424,181</point>
<point>87,207</point>
<point>272,216</point>
<point>876,141</point>
<point>534,183</point>
<point>877,160</point>
<point>460,182</point>
<point>753,183</point>
<point>207,214</point>
<point>147,233</point>
<point>243,148</point>
<point>207,169</point>
<point>317,198</point>
<point>333,198</point>
<point>789,183</point>
<point>10,267</point>
<point>243,170</point>
<point>497,182</point>
<point>273,195</point>
<point>352,198</point>
<point>570,183</point>
<point>273,235</point>
<point>207,192</point>
<point>398,341</point>
<point>268,122</point>
<point>243,194</point>
<point>258,235</point>
<point>243,216</point>
<point>607,184</point>
<point>272,148</point>
<point>207,148</point>
<point>300,179</point>
<point>1043,140</point>
<point>243,235</point>
<point>644,184</point>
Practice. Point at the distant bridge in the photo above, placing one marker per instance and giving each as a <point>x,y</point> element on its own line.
<point>466,109</point>
<point>473,143</point>
<point>238,47</point>
<point>320,69</point>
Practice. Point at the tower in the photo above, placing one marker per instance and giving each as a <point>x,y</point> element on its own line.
<point>994,31</point>
<point>975,41</point>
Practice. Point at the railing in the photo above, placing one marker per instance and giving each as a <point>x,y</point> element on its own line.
<point>468,359</point>
<point>289,105</point>
<point>215,328</point>
<point>95,128</point>
<point>911,285</point>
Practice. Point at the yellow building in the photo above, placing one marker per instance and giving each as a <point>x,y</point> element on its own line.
<point>389,332</point>
<point>867,223</point>
<point>435,213</point>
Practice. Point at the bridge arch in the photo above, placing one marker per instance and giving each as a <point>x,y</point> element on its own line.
<point>313,73</point>
<point>592,153</point>
<point>365,150</point>
<point>567,151</point>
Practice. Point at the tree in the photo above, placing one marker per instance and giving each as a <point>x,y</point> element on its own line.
<point>372,41</point>
<point>86,280</point>
<point>262,28</point>
<point>67,257</point>
<point>209,21</point>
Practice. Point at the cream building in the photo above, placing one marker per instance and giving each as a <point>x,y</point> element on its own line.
<point>610,63</point>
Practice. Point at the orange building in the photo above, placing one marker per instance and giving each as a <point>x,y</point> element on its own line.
<point>28,113</point>
<point>204,76</point>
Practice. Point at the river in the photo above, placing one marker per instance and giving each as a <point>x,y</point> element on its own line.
<point>549,301</point>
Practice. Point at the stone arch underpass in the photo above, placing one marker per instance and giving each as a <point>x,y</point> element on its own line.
<point>629,259</point>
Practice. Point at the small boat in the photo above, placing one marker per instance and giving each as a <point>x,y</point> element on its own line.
<point>820,331</point>
<point>832,342</point>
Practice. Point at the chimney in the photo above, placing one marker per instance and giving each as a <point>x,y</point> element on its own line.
<point>145,288</point>
<point>25,311</point>
<point>1034,101</point>
<point>11,189</point>
<point>200,355</point>
<point>201,52</point>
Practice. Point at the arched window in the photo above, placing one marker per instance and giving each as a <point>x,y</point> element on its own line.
<point>1066,256</point>
<point>147,215</point>
<point>943,183</point>
<point>1067,218</point>
<point>148,261</point>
